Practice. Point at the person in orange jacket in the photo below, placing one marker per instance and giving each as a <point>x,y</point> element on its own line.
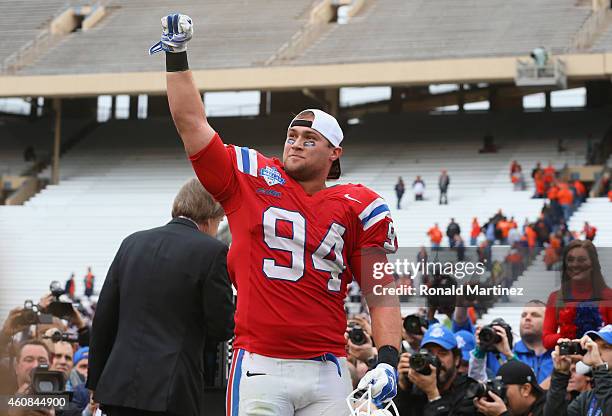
<point>435,235</point>
<point>565,197</point>
<point>581,191</point>
<point>589,231</point>
<point>475,232</point>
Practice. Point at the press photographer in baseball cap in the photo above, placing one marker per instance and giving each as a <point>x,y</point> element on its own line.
<point>430,382</point>
<point>597,359</point>
<point>518,393</point>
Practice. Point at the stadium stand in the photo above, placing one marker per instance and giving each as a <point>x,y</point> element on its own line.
<point>230,41</point>
<point>398,30</point>
<point>384,31</point>
<point>32,16</point>
<point>19,133</point>
<point>123,178</point>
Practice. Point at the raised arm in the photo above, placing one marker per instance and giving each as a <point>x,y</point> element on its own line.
<point>184,98</point>
<point>187,110</point>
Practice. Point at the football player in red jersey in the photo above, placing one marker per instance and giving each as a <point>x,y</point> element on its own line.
<point>296,244</point>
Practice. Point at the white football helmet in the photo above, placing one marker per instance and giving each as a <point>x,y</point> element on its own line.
<point>360,403</point>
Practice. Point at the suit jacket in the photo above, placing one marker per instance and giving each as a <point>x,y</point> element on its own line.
<point>166,291</point>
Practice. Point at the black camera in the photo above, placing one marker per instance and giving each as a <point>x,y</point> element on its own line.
<point>421,361</point>
<point>45,381</point>
<point>413,324</point>
<point>62,310</point>
<point>489,337</point>
<point>571,348</point>
<point>30,315</point>
<point>356,334</point>
<point>482,389</point>
<point>443,303</point>
<point>58,336</point>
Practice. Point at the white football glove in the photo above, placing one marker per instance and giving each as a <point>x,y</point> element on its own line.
<point>177,30</point>
<point>383,379</point>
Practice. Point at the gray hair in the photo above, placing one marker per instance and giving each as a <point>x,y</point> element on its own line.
<point>194,202</point>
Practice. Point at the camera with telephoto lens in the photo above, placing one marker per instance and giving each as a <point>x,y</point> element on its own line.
<point>443,303</point>
<point>57,307</point>
<point>571,348</point>
<point>421,361</point>
<point>482,389</point>
<point>413,324</point>
<point>45,381</point>
<point>356,334</point>
<point>489,337</point>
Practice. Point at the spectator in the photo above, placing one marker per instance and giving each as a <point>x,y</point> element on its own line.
<point>62,360</point>
<point>551,257</point>
<point>89,283</point>
<point>157,310</point>
<point>565,197</point>
<point>597,401</point>
<point>589,231</point>
<point>435,236</point>
<point>581,192</point>
<point>400,188</point>
<point>418,186</point>
<point>504,227</point>
<point>537,169</point>
<point>466,343</point>
<point>459,245</point>
<point>523,394</point>
<point>529,349</point>
<point>69,287</point>
<point>549,174</point>
<point>540,184</point>
<point>475,232</point>
<point>443,183</point>
<point>569,311</point>
<point>578,383</point>
<point>514,167</point>
<point>30,355</point>
<point>78,375</point>
<point>452,230</point>
<point>514,235</point>
<point>518,179</point>
<point>443,392</point>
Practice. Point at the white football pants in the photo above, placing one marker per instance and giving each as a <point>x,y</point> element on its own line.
<point>265,386</point>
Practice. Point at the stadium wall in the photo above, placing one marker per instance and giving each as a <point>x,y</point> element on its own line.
<point>475,70</point>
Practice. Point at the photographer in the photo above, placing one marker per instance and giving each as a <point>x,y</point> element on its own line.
<point>443,390</point>
<point>520,393</point>
<point>74,317</point>
<point>414,327</point>
<point>598,356</point>
<point>529,349</point>
<point>30,354</point>
<point>361,353</point>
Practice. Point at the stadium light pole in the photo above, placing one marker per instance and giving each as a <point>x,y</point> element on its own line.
<point>57,107</point>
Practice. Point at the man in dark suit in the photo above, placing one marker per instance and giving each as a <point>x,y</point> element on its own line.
<point>166,293</point>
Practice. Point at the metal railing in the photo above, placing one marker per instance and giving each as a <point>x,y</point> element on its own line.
<point>552,73</point>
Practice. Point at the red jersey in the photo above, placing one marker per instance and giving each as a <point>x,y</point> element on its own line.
<point>292,254</point>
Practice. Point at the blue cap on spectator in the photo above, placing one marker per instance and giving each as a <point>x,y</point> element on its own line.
<point>81,354</point>
<point>604,333</point>
<point>466,342</point>
<point>440,335</point>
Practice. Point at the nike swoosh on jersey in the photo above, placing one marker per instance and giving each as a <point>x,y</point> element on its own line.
<point>347,196</point>
<point>249,374</point>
